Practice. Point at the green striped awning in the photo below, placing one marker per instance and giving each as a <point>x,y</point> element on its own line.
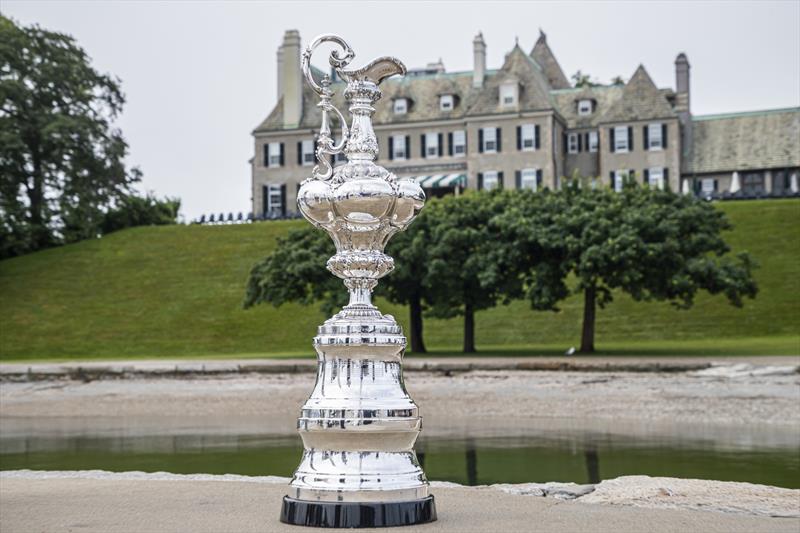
<point>436,181</point>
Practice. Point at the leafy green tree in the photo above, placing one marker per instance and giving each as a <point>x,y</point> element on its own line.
<point>579,79</point>
<point>650,244</point>
<point>468,268</point>
<point>617,80</point>
<point>141,211</point>
<point>61,160</point>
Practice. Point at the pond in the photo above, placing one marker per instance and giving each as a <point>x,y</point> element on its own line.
<point>580,458</point>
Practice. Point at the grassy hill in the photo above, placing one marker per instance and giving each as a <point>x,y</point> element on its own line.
<point>176,291</point>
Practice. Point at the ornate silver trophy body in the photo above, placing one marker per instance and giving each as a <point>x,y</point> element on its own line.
<point>359,426</point>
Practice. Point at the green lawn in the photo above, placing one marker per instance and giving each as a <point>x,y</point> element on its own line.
<point>176,291</point>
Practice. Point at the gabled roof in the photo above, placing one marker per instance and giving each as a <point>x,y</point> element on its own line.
<point>542,54</point>
<point>640,100</point>
<point>745,141</point>
<point>566,101</point>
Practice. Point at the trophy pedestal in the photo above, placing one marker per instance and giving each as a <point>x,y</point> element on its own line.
<point>357,514</point>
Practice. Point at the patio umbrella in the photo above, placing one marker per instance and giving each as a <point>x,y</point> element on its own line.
<point>735,186</point>
<point>793,183</point>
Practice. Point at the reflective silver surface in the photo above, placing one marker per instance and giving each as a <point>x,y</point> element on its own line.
<point>359,425</point>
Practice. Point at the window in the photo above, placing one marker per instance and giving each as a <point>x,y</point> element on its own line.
<point>528,134</point>
<point>508,95</point>
<point>307,149</point>
<point>489,140</point>
<point>753,182</point>
<point>274,200</point>
<point>656,177</point>
<point>399,142</point>
<point>459,143</point>
<point>490,180</point>
<point>584,107</point>
<point>655,141</point>
<point>446,102</point>
<point>431,145</point>
<point>707,185</point>
<point>621,143</point>
<point>619,179</point>
<point>400,106</point>
<point>593,141</point>
<point>573,146</point>
<point>528,179</point>
<point>274,155</point>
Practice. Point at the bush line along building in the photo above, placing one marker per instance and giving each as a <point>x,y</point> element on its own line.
<point>525,126</point>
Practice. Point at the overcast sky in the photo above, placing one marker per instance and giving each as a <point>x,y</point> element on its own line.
<point>199,76</point>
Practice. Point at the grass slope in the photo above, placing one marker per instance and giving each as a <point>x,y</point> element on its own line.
<point>176,291</point>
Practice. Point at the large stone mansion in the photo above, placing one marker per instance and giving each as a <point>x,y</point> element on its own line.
<point>525,126</point>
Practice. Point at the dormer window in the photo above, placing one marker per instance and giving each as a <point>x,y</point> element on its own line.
<point>584,107</point>
<point>508,95</point>
<point>400,106</point>
<point>446,102</point>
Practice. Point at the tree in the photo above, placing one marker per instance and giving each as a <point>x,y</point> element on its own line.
<point>617,80</point>
<point>468,268</point>
<point>579,79</point>
<point>61,161</point>
<point>650,244</point>
<point>141,211</point>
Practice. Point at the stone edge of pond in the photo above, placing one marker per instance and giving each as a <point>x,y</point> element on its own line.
<point>638,491</point>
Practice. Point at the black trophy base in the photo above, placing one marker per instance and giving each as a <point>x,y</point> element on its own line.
<point>357,514</point>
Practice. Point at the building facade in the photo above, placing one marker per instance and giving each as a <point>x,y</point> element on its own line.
<point>524,126</point>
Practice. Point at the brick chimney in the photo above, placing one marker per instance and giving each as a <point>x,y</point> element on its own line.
<point>291,79</point>
<point>479,66</point>
<point>682,102</point>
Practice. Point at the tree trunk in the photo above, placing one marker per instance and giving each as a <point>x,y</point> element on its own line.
<point>587,336</point>
<point>415,309</point>
<point>469,329</point>
<point>40,237</point>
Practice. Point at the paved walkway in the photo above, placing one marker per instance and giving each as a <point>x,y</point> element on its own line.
<point>89,370</point>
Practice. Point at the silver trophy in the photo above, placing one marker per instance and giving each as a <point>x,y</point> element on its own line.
<point>359,426</point>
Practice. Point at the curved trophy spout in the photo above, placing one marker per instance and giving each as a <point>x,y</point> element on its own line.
<point>359,426</point>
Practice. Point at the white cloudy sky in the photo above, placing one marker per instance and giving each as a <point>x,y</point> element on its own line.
<point>199,76</point>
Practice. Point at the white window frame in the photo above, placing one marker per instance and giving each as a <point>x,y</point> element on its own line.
<point>399,148</point>
<point>490,136</point>
<point>446,102</point>
<point>707,185</point>
<point>431,141</point>
<point>273,205</point>
<point>491,177</point>
<point>307,148</point>
<point>594,141</point>
<point>655,177</point>
<point>528,179</point>
<point>619,179</point>
<point>582,111</point>
<point>654,133</point>
<point>572,143</point>
<point>528,134</point>
<point>274,155</point>
<point>400,106</point>
<point>459,143</point>
<point>621,141</point>
<point>508,95</point>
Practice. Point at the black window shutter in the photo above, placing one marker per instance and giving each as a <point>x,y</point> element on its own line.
<point>441,143</point>
<point>264,200</point>
<point>715,185</point>
<point>666,177</point>
<point>299,152</point>
<point>283,200</point>
<point>536,136</point>
<point>499,180</point>
<point>664,135</point>
<point>611,177</point>
<point>538,179</point>
<point>646,179</point>
<point>519,137</point>
<point>422,144</point>
<point>480,140</point>
<point>391,148</point>
<point>450,143</point>
<point>580,142</point>
<point>480,181</point>
<point>266,155</point>
<point>611,139</point>
<point>630,139</point>
<point>282,151</point>
<point>408,146</point>
<point>518,179</point>
<point>499,140</point>
<point>646,135</point>
<point>586,141</point>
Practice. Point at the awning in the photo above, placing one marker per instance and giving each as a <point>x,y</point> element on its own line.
<point>438,181</point>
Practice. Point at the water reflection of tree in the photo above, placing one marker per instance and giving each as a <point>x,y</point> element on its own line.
<point>592,464</point>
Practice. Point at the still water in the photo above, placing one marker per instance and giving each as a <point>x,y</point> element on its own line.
<point>584,458</point>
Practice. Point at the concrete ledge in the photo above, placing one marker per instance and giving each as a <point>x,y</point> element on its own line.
<point>95,501</point>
